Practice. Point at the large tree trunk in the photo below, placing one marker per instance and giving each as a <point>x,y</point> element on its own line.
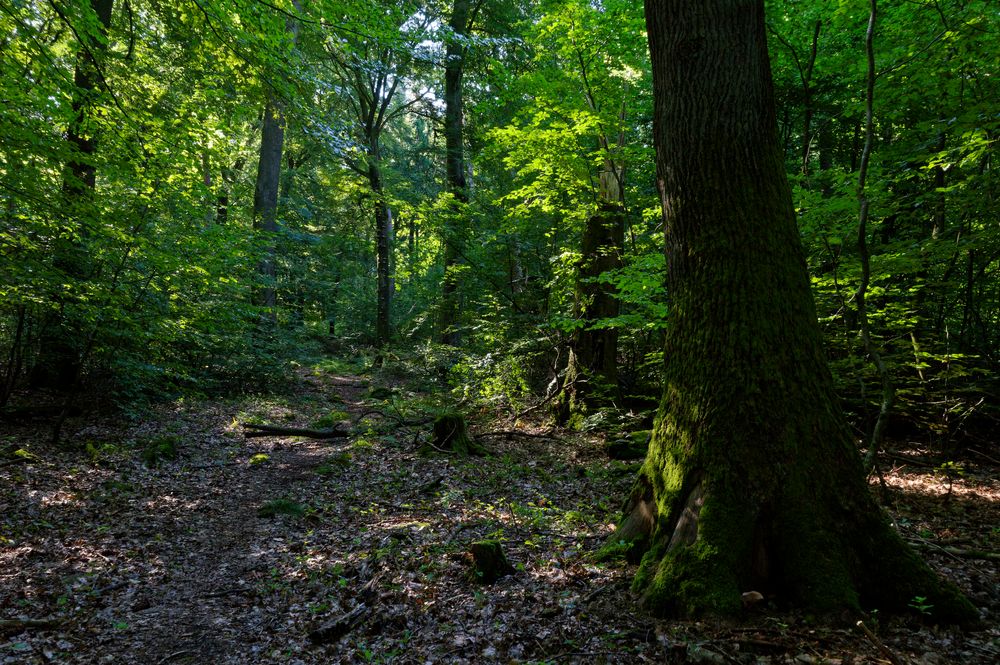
<point>592,367</point>
<point>58,364</point>
<point>455,171</point>
<point>752,481</point>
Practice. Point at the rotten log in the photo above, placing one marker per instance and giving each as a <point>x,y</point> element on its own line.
<point>274,430</point>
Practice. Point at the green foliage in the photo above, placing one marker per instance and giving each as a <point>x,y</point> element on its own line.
<point>334,464</point>
<point>160,449</point>
<point>149,280</point>
<point>920,604</point>
<point>283,506</point>
<point>330,420</point>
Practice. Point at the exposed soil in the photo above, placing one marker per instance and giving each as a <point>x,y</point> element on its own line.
<point>173,562</point>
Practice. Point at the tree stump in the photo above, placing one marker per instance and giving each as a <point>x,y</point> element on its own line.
<point>488,561</point>
<point>451,435</point>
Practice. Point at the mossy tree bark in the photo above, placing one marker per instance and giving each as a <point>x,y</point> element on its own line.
<point>451,435</point>
<point>752,480</point>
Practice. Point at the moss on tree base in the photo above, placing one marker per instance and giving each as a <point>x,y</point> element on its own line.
<point>701,556</point>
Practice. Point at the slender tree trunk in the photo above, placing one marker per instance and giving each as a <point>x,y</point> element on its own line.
<point>383,252</point>
<point>228,178</point>
<point>59,359</point>
<point>752,481</point>
<point>266,189</point>
<point>82,177</point>
<point>265,199</point>
<point>455,170</point>
<point>808,101</point>
<point>12,369</point>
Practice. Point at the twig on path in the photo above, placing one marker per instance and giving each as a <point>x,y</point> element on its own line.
<point>555,393</point>
<point>513,432</point>
<point>334,630</point>
<point>596,592</point>
<point>18,625</point>
<point>176,654</point>
<point>274,430</point>
<point>224,592</point>
<point>114,586</point>
<point>212,465</point>
<point>883,649</point>
<point>955,551</point>
<point>983,455</point>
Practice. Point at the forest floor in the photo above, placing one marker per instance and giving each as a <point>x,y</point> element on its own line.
<point>174,561</point>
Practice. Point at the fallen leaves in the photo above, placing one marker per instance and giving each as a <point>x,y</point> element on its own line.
<point>171,563</point>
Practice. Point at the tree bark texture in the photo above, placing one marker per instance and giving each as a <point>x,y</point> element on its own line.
<point>592,368</point>
<point>455,170</point>
<point>752,481</point>
<point>265,197</point>
<point>383,252</point>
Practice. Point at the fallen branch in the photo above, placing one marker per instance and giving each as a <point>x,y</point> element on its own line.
<point>18,625</point>
<point>956,551</point>
<point>174,655</point>
<point>883,649</point>
<point>548,398</point>
<point>514,432</point>
<point>983,455</point>
<point>332,631</point>
<point>274,430</point>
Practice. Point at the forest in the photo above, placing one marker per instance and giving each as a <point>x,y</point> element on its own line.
<point>499,331</point>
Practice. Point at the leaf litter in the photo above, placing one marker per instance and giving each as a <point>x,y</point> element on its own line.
<point>291,550</point>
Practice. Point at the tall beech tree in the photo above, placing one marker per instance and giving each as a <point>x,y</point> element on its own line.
<point>373,72</point>
<point>59,363</point>
<point>752,480</point>
<point>265,198</point>
<point>592,366</point>
<point>462,15</point>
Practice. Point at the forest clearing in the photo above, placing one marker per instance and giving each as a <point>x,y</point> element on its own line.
<point>499,331</point>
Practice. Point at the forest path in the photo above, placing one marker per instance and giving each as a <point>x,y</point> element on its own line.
<point>172,563</point>
<point>214,552</point>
